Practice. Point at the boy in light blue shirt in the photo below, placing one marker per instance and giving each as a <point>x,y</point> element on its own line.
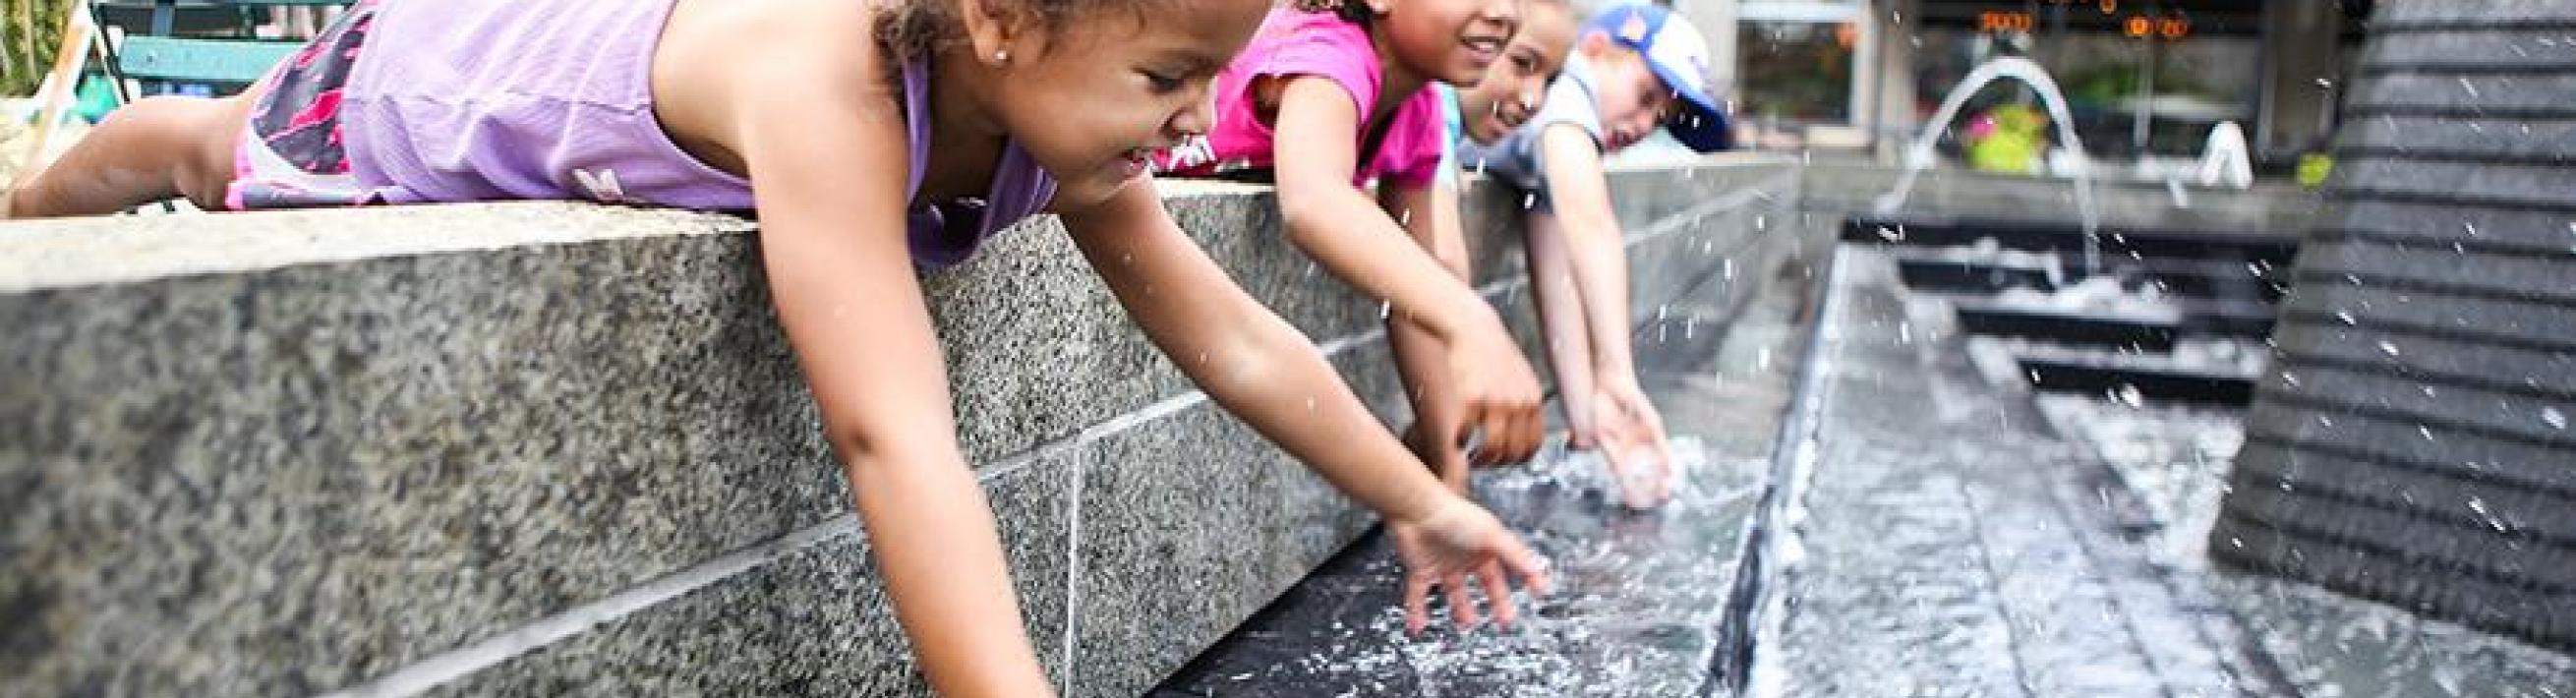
<point>1633,69</point>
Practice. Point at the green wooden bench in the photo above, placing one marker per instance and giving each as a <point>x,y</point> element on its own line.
<point>216,49</point>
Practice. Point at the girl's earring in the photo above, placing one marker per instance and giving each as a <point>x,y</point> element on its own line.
<point>1002,56</point>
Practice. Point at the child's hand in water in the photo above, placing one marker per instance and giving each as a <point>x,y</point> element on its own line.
<point>1500,395</point>
<point>1632,440</point>
<point>1457,542</point>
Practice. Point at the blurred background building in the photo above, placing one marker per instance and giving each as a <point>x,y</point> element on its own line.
<point>2146,79</point>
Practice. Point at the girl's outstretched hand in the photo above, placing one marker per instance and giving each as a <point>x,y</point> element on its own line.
<point>1631,437</point>
<point>1457,542</point>
<point>1501,420</point>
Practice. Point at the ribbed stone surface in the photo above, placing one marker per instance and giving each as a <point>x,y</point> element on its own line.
<point>2413,445</point>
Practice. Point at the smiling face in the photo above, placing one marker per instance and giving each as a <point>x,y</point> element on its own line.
<point>1090,97</point>
<point>1451,41</point>
<point>1632,101</point>
<point>1513,86</point>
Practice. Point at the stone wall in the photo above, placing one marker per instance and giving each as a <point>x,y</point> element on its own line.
<point>542,448</point>
<point>2411,443</point>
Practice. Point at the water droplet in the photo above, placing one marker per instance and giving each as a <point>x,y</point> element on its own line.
<point>2470,228</point>
<point>2325,83</point>
<point>2129,395</point>
<point>2290,378</point>
<point>2554,418</point>
<point>1529,201</point>
<point>2346,317</point>
<point>1385,308</point>
<point>2480,506</point>
<point>1896,234</point>
<point>2387,347</point>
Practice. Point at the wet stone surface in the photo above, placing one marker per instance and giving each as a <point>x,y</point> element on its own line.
<point>1630,615</point>
<point>1948,543</point>
<point>1961,537</point>
<point>1953,535</point>
<point>1638,595</point>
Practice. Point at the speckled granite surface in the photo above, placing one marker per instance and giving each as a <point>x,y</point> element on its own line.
<point>285,453</point>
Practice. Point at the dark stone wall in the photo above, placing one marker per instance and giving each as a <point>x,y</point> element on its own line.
<point>2412,443</point>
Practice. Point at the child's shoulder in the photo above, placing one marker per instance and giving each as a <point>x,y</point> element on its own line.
<point>777,37</point>
<point>724,66</point>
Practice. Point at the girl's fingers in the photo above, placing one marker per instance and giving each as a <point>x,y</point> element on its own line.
<point>1517,559</point>
<point>1498,595</point>
<point>1499,437</point>
<point>1417,593</point>
<point>1462,611</point>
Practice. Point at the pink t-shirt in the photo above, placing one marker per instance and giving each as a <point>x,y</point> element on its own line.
<point>1323,45</point>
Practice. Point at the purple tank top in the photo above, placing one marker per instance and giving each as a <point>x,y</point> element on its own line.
<point>480,100</point>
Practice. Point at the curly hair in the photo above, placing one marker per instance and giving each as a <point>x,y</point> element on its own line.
<point>917,28</point>
<point>1353,10</point>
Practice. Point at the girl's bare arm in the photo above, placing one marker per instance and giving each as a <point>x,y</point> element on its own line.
<point>828,167</point>
<point>1270,375</point>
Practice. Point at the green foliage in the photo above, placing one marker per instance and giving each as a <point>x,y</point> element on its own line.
<point>29,32</point>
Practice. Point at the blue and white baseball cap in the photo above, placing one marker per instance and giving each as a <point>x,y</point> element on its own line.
<point>1678,54</point>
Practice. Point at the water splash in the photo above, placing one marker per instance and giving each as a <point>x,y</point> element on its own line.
<point>1920,156</point>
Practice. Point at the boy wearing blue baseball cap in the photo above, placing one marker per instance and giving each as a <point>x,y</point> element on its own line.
<point>1635,68</point>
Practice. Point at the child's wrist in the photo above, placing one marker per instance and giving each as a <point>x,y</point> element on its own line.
<point>1423,505</point>
<point>1610,371</point>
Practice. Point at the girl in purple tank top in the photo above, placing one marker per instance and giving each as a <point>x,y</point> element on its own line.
<point>869,136</point>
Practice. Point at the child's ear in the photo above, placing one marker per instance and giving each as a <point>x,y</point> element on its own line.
<point>1593,44</point>
<point>998,30</point>
<point>1380,7</point>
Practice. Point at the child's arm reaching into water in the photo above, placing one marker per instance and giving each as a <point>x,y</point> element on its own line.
<point>1589,228</point>
<point>1270,375</point>
<point>832,240</point>
<point>1341,228</point>
<point>1433,223</point>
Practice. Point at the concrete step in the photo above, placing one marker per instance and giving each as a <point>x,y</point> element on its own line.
<point>2146,333</point>
<point>2065,238</point>
<point>2149,380</point>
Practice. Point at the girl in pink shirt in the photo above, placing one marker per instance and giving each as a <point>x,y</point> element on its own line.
<point>1329,100</point>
